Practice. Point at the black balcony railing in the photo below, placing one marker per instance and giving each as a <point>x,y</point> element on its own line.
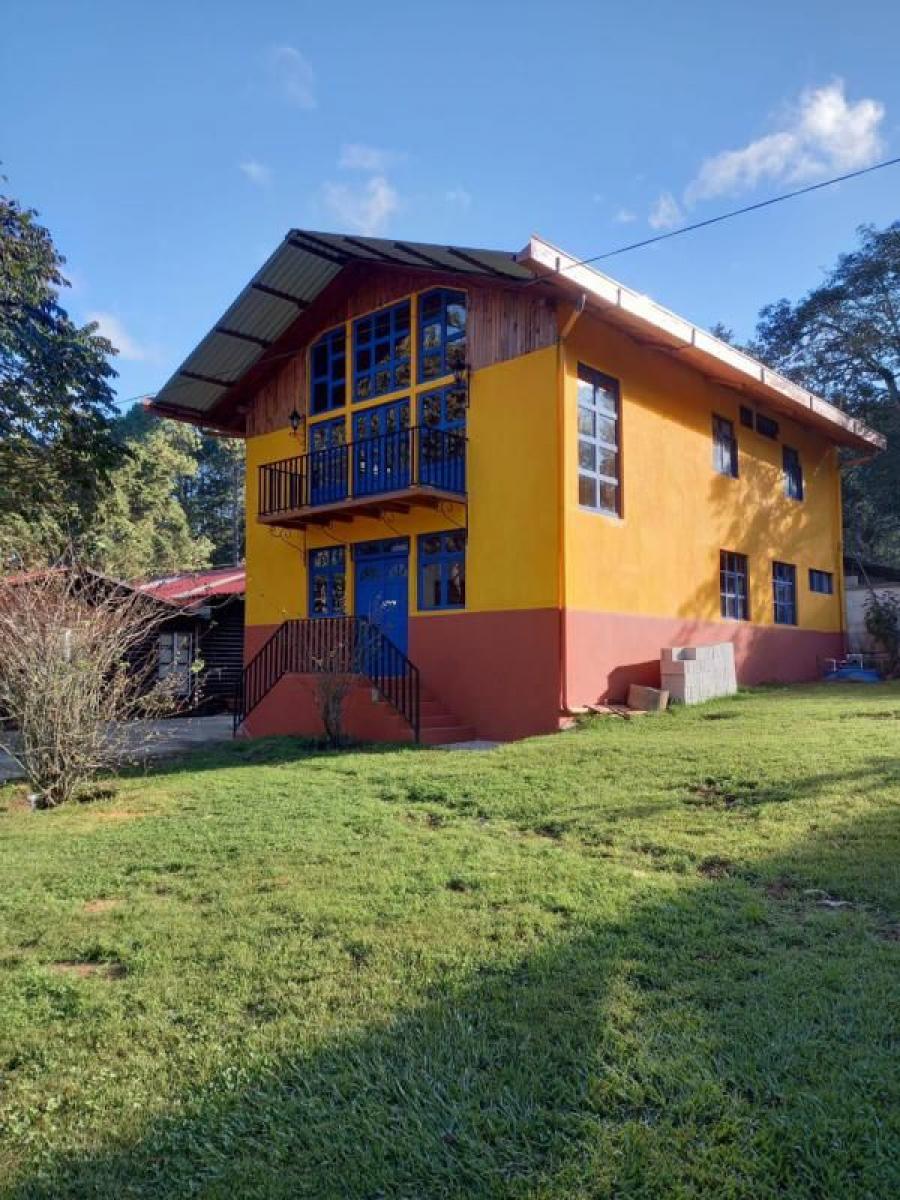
<point>332,646</point>
<point>390,462</point>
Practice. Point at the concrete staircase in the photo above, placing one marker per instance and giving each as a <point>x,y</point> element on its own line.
<point>437,725</point>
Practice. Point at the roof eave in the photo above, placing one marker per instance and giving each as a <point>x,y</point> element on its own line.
<point>669,333</point>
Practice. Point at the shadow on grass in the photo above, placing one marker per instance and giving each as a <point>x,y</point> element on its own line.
<point>729,1039</point>
<point>256,752</point>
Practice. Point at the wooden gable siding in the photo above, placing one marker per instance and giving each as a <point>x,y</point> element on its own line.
<point>504,322</point>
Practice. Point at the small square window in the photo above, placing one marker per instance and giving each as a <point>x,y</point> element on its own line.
<point>821,582</point>
<point>766,426</point>
<point>746,416</point>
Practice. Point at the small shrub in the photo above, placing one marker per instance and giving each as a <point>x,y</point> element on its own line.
<point>883,626</point>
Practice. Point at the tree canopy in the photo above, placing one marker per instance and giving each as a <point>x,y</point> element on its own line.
<point>58,438</point>
<point>842,341</point>
<point>130,495</point>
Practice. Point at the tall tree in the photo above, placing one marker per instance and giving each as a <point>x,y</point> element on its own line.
<point>212,492</point>
<point>142,529</point>
<point>58,443</point>
<point>842,340</point>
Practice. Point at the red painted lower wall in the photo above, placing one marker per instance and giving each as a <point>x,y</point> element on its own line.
<point>497,671</point>
<point>500,672</point>
<point>605,652</point>
<point>291,708</point>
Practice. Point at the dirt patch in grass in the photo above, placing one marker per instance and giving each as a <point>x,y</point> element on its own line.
<point>712,794</point>
<point>715,868</point>
<point>780,889</point>
<point>115,814</point>
<point>891,715</point>
<point>101,906</point>
<point>87,970</point>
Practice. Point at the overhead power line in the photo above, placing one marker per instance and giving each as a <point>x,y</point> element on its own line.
<point>737,212</point>
<point>659,237</point>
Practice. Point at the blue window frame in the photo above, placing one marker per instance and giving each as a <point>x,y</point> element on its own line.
<point>327,582</point>
<point>821,582</point>
<point>381,350</point>
<point>327,462</point>
<point>733,591</point>
<point>442,439</point>
<point>381,452</point>
<point>327,372</point>
<point>598,442</point>
<point>793,473</point>
<point>442,570</point>
<point>725,447</point>
<point>784,593</point>
<point>442,333</point>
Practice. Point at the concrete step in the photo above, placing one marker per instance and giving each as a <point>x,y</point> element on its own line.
<point>442,735</point>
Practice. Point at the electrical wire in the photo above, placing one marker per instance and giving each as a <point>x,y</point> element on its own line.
<point>659,237</point>
<point>737,212</point>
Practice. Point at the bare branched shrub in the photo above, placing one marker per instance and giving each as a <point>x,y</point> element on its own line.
<point>332,690</point>
<point>78,659</point>
<point>336,670</point>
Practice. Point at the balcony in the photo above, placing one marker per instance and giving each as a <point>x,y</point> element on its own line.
<point>393,472</point>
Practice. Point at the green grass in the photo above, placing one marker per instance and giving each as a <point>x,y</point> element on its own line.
<point>603,964</point>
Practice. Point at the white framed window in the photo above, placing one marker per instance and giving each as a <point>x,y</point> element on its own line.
<point>176,657</point>
<point>599,458</point>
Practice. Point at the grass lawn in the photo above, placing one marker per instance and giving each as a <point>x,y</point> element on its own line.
<point>648,959</point>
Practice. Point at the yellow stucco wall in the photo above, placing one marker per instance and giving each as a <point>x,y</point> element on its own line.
<point>661,558</point>
<point>513,537</point>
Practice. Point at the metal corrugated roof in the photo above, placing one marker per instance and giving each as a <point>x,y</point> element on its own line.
<point>187,587</point>
<point>286,285</point>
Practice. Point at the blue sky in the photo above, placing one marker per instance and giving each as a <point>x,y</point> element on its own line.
<point>169,146</point>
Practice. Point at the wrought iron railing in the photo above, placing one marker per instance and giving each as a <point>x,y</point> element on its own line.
<point>332,645</point>
<point>389,462</point>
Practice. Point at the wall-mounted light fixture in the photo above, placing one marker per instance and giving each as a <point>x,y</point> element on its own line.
<point>296,421</point>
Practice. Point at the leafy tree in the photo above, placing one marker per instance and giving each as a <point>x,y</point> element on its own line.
<point>58,443</point>
<point>842,340</point>
<point>142,528</point>
<point>212,493</point>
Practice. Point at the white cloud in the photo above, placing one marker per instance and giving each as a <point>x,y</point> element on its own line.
<point>111,327</point>
<point>357,157</point>
<point>459,196</point>
<point>293,76</point>
<point>624,216</point>
<point>666,212</point>
<point>823,134</point>
<point>366,209</point>
<point>258,173</point>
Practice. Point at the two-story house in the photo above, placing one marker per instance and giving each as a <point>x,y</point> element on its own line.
<point>493,486</point>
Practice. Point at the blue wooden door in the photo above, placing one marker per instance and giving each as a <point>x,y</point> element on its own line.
<point>327,462</point>
<point>442,439</point>
<point>381,449</point>
<point>382,587</point>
